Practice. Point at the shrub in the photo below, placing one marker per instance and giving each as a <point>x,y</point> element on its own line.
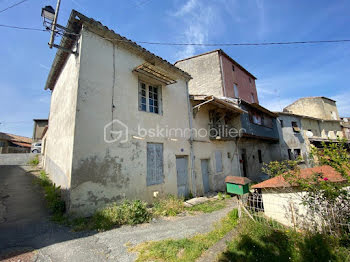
<point>129,212</point>
<point>168,206</point>
<point>34,161</point>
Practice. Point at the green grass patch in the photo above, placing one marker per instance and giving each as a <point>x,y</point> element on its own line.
<point>187,249</point>
<point>207,207</point>
<point>260,242</point>
<point>34,161</point>
<point>168,206</point>
<point>52,195</point>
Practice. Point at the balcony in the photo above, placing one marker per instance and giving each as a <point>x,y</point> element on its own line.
<point>223,132</point>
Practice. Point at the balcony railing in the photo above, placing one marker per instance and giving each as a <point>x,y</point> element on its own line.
<point>223,132</point>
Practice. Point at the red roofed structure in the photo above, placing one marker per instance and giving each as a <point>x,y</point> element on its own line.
<point>279,182</point>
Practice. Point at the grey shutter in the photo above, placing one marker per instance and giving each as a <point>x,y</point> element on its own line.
<point>218,161</point>
<point>154,164</point>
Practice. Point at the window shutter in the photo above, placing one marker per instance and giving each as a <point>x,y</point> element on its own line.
<point>154,164</point>
<point>218,161</point>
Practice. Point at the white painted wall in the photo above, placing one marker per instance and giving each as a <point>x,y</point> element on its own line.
<point>110,172</point>
<point>59,138</point>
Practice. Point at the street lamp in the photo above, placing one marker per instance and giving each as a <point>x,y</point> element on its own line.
<point>48,13</point>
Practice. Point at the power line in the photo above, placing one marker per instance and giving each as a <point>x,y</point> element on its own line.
<point>23,28</point>
<point>16,4</point>
<point>196,44</point>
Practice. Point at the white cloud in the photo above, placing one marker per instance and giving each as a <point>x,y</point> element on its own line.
<point>196,16</point>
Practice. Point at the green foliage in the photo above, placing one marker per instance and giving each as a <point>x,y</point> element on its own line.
<point>222,196</point>
<point>207,207</point>
<point>34,161</point>
<point>259,242</point>
<point>128,212</point>
<point>276,168</point>
<point>187,249</point>
<point>323,193</point>
<point>52,195</point>
<point>168,206</point>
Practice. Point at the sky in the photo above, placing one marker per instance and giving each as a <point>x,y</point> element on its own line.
<point>285,73</point>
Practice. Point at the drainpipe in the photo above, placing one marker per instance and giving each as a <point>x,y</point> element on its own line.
<point>189,108</point>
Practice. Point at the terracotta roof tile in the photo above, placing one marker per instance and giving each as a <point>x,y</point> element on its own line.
<point>280,182</point>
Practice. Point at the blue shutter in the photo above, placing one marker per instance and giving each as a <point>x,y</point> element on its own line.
<point>218,161</point>
<point>154,164</point>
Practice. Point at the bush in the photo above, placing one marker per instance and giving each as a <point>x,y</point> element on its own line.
<point>34,161</point>
<point>129,212</point>
<point>168,206</point>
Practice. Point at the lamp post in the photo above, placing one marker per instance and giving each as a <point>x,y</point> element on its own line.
<point>48,13</point>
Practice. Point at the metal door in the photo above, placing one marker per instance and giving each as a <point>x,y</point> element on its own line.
<point>182,176</point>
<point>205,175</point>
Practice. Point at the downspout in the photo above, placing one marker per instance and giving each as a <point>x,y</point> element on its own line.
<point>192,157</point>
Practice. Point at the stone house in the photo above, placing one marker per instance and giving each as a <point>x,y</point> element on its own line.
<point>293,143</point>
<point>320,119</point>
<point>106,100</point>
<point>215,74</point>
<point>345,124</point>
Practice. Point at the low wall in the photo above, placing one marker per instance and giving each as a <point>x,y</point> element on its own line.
<point>16,159</point>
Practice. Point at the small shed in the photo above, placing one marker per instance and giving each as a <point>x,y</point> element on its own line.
<point>237,185</point>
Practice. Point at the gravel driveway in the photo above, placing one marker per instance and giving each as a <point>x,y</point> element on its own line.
<point>25,226</point>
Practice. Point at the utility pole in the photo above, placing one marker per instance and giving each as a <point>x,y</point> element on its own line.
<point>53,27</point>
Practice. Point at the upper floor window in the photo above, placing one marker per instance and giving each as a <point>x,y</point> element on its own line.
<point>295,127</point>
<point>281,122</point>
<point>233,68</point>
<point>149,98</point>
<point>250,80</point>
<point>235,90</point>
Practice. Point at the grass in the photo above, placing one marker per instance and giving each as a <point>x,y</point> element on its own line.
<point>207,207</point>
<point>168,206</point>
<point>34,161</point>
<point>260,242</point>
<point>52,195</point>
<point>186,249</point>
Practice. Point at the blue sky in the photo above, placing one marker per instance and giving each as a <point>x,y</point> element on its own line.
<point>284,73</point>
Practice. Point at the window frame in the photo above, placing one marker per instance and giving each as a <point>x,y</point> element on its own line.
<point>149,95</point>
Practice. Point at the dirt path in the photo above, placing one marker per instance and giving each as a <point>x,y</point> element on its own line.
<point>26,227</point>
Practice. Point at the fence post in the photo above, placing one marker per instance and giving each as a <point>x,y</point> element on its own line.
<point>239,207</point>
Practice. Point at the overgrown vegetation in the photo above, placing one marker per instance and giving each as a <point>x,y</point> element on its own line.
<point>325,199</point>
<point>186,249</point>
<point>34,161</point>
<point>168,206</point>
<point>207,207</point>
<point>259,242</point>
<point>276,168</point>
<point>52,195</point>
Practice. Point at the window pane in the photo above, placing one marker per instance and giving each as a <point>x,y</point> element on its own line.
<point>151,109</point>
<point>143,107</point>
<point>156,110</point>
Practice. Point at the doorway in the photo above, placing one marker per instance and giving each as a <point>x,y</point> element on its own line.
<point>205,174</point>
<point>182,176</point>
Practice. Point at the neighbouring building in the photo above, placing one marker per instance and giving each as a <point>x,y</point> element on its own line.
<point>215,74</point>
<point>10,143</point>
<point>106,100</point>
<point>292,140</point>
<point>40,126</point>
<point>318,107</point>
<point>283,201</point>
<point>320,119</point>
<point>345,124</point>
